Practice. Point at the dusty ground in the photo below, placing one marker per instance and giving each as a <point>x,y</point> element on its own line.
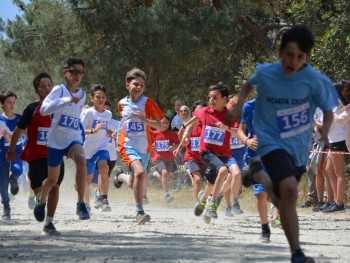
<point>173,235</point>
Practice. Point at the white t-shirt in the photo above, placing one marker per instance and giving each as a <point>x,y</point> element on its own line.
<point>99,140</point>
<point>66,126</point>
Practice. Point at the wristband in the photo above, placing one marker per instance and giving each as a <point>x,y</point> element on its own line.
<point>183,126</point>
<point>92,131</point>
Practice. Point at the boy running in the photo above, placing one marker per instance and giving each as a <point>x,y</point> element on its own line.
<point>288,94</point>
<point>66,135</point>
<point>35,151</point>
<point>134,143</point>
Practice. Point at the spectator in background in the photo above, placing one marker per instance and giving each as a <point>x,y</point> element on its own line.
<point>175,121</point>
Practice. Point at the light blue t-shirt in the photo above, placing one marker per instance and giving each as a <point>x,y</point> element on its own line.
<point>285,107</point>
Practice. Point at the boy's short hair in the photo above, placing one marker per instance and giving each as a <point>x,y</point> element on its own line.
<point>199,102</point>
<point>73,61</point>
<point>97,87</point>
<point>133,74</point>
<point>6,94</point>
<point>40,76</point>
<point>301,35</point>
<point>220,87</point>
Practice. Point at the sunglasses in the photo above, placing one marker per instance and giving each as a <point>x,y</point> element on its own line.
<point>183,110</point>
<point>75,71</point>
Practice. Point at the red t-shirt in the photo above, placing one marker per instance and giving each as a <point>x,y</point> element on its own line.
<point>213,138</point>
<point>162,142</point>
<point>192,146</point>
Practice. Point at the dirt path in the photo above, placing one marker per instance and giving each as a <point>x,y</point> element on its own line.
<point>173,235</point>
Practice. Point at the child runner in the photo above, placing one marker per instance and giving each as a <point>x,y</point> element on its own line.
<point>214,144</point>
<point>95,120</point>
<point>35,151</point>
<point>288,94</point>
<point>9,172</point>
<point>134,143</point>
<point>164,143</point>
<point>66,135</point>
<point>247,135</point>
<point>190,138</point>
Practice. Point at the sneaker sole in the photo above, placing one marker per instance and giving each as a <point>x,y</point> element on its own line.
<point>57,234</point>
<point>263,240</point>
<point>144,220</point>
<point>206,219</point>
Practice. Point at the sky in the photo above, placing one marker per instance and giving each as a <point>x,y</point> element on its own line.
<point>8,10</point>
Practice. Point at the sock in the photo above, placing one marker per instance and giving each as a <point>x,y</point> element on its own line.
<point>139,207</point>
<point>265,227</point>
<point>104,196</point>
<point>48,220</point>
<point>297,251</point>
<point>32,195</point>
<point>235,201</point>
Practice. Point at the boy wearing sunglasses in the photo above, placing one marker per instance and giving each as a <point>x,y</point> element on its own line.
<point>66,136</point>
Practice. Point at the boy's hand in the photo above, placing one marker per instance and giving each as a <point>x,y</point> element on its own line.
<point>75,99</point>
<point>99,127</point>
<point>11,156</point>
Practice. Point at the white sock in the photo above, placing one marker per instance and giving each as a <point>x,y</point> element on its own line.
<point>48,220</point>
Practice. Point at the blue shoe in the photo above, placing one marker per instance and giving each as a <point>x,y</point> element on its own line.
<point>82,211</point>
<point>39,211</point>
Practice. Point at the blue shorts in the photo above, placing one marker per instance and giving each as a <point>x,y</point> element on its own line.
<point>95,177</point>
<point>238,157</point>
<point>215,163</point>
<point>55,156</point>
<point>134,155</point>
<point>92,163</point>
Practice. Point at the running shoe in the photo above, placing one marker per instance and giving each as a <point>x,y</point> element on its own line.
<point>88,207</point>
<point>97,200</point>
<point>105,206</point>
<point>199,208</point>
<point>142,218</point>
<point>168,198</point>
<point>39,209</point>
<point>117,170</point>
<point>206,219</point>
<point>14,186</point>
<point>265,235</point>
<point>6,215</point>
<point>31,202</point>
<point>210,208</point>
<point>228,212</point>
<point>299,257</point>
<point>82,211</point>
<point>334,208</point>
<point>319,207</point>
<point>307,204</point>
<point>236,209</point>
<point>276,222</point>
<point>50,230</point>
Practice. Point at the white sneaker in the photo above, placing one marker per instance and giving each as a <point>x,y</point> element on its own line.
<point>105,206</point>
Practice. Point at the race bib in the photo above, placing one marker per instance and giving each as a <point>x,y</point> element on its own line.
<point>162,145</point>
<point>134,128</point>
<point>235,143</point>
<point>195,143</point>
<point>292,122</point>
<point>42,136</point>
<point>69,122</point>
<point>96,122</point>
<point>214,135</point>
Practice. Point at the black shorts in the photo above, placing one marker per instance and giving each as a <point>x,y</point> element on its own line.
<point>280,165</point>
<point>215,163</point>
<point>339,147</point>
<point>38,172</point>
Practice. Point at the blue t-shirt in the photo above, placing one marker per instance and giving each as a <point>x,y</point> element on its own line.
<point>247,119</point>
<point>285,107</point>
